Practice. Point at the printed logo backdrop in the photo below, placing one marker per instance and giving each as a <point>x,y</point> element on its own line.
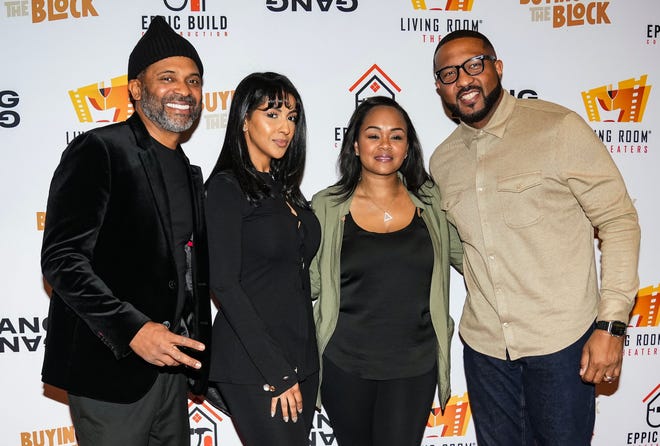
<point>64,73</point>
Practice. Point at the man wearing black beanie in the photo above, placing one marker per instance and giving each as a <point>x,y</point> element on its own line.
<point>124,251</point>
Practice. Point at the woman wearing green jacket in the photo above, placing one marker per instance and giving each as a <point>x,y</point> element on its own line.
<point>381,277</point>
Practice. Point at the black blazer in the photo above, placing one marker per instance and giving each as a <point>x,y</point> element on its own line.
<point>107,253</point>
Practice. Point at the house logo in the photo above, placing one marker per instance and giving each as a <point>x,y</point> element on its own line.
<point>647,306</point>
<point>443,5</point>
<point>626,103</point>
<point>374,82</point>
<point>651,404</point>
<point>575,13</point>
<point>204,424</point>
<point>652,401</point>
<point>102,102</point>
<point>453,422</point>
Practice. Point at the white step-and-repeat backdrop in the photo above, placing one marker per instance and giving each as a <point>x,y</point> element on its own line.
<point>63,72</point>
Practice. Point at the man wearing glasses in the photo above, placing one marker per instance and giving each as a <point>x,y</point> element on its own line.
<point>526,182</point>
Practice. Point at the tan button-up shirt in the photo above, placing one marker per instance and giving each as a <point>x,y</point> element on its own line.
<point>525,193</point>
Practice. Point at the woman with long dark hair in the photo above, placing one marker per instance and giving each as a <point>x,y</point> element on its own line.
<point>381,277</point>
<point>262,235</point>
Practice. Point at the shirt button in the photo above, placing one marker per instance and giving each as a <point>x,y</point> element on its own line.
<point>269,388</point>
<point>480,189</point>
<point>505,325</point>
<point>491,257</point>
<point>171,284</point>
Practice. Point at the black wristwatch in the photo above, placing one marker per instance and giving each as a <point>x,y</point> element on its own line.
<point>615,328</point>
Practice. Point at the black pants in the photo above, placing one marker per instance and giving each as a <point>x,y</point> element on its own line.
<point>159,418</point>
<point>250,412</point>
<point>365,412</point>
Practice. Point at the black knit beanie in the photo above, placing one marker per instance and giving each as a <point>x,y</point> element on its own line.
<point>158,43</point>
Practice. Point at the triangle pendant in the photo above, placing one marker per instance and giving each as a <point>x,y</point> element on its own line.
<point>387,217</point>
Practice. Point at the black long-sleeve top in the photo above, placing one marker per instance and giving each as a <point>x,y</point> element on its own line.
<point>259,260</point>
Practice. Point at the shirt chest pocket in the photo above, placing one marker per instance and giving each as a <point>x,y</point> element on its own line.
<point>520,197</point>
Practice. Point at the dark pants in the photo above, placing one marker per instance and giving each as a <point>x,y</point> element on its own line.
<point>536,400</point>
<point>250,412</point>
<point>159,418</point>
<point>365,412</point>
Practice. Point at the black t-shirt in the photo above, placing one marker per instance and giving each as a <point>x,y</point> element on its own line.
<point>179,193</point>
<point>384,329</point>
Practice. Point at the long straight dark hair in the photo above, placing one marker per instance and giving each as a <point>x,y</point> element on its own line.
<point>412,170</point>
<point>250,94</point>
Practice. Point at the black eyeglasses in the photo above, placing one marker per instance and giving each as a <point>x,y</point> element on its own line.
<point>472,66</point>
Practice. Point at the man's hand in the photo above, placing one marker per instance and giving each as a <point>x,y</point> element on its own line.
<point>157,345</point>
<point>602,356</point>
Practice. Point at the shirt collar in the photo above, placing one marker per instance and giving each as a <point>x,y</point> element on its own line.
<point>497,123</point>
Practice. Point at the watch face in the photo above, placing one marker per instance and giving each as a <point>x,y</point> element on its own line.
<point>618,328</point>
<point>615,328</point>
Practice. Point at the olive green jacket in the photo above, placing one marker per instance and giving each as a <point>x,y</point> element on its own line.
<point>325,272</point>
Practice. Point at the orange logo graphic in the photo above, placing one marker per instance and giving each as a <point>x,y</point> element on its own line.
<point>101,103</point>
<point>41,221</point>
<point>455,419</point>
<point>449,5</point>
<point>624,104</point>
<point>60,435</point>
<point>204,420</point>
<point>645,311</point>
<point>572,14</point>
<point>371,83</point>
<point>61,9</point>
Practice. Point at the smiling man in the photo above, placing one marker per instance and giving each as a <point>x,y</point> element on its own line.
<point>124,251</point>
<point>525,182</point>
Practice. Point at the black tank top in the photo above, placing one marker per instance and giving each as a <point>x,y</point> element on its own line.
<point>384,330</point>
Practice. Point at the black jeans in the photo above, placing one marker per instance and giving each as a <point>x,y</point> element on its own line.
<point>249,405</point>
<point>365,412</point>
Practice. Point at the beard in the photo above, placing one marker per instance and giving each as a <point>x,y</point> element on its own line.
<point>476,116</point>
<point>155,110</point>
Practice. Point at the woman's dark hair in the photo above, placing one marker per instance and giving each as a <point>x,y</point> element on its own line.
<point>350,167</point>
<point>250,94</point>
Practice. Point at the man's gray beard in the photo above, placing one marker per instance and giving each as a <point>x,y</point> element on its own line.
<point>155,111</point>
